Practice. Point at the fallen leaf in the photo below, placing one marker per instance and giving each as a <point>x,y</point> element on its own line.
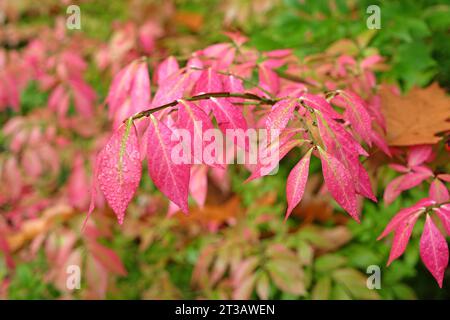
<point>416,117</point>
<point>192,20</point>
<point>212,215</point>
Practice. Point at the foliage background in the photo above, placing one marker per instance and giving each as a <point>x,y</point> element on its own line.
<point>161,255</point>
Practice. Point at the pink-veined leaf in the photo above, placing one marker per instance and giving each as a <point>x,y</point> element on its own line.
<point>363,185</point>
<point>402,234</point>
<point>120,87</point>
<point>393,190</point>
<point>209,81</point>
<point>438,191</point>
<point>320,104</point>
<point>357,114</point>
<point>196,121</point>
<point>280,114</point>
<point>228,115</point>
<point>381,143</point>
<point>419,154</point>
<point>296,182</point>
<point>403,214</point>
<point>443,213</point>
<point>268,79</point>
<point>434,250</point>
<point>119,170</point>
<point>413,179</point>
<point>140,90</point>
<point>339,183</point>
<point>171,178</point>
<point>172,88</point>
<point>165,69</point>
<point>398,167</point>
<point>346,149</point>
<point>444,177</point>
<point>235,85</point>
<point>107,258</point>
<point>198,184</point>
<point>271,155</point>
<point>336,138</point>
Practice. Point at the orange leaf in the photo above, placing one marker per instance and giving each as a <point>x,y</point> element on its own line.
<point>416,117</point>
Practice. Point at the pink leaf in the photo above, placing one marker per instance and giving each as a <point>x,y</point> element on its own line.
<point>419,207</point>
<point>268,79</point>
<point>363,184</point>
<point>120,167</point>
<point>339,183</point>
<point>296,182</point>
<point>412,179</point>
<point>438,191</point>
<point>198,185</point>
<point>443,213</point>
<point>280,114</point>
<point>336,139</point>
<point>120,87</point>
<point>320,104</point>
<point>209,81</point>
<point>169,177</point>
<point>228,116</point>
<point>444,177</point>
<point>358,116</point>
<point>381,143</point>
<point>171,89</point>
<point>140,90</point>
<point>196,121</point>
<point>434,250</point>
<point>393,190</point>
<point>165,69</point>
<point>107,258</point>
<point>401,236</point>
<point>271,156</point>
<point>419,154</point>
<point>399,168</point>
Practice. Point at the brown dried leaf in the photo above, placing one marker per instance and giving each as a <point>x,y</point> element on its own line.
<point>416,117</point>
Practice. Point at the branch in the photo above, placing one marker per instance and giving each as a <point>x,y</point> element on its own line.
<point>205,96</point>
<point>295,78</point>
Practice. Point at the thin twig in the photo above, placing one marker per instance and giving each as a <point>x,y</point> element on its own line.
<point>204,96</point>
<point>295,78</point>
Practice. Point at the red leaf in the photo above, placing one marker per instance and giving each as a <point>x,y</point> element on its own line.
<point>358,116</point>
<point>419,154</point>
<point>209,81</point>
<point>434,250</point>
<point>276,151</point>
<point>165,69</point>
<point>107,258</point>
<point>438,191</point>
<point>393,190</point>
<point>169,177</point>
<point>280,114</point>
<point>140,91</point>
<point>339,183</point>
<point>268,79</point>
<point>171,89</point>
<point>119,170</point>
<point>401,236</point>
<point>296,182</point>
<point>193,119</point>
<point>444,214</point>
<point>228,116</point>
<point>320,104</point>
<point>419,207</point>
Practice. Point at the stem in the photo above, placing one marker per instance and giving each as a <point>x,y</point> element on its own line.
<point>204,96</point>
<point>295,78</point>
<point>253,83</point>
